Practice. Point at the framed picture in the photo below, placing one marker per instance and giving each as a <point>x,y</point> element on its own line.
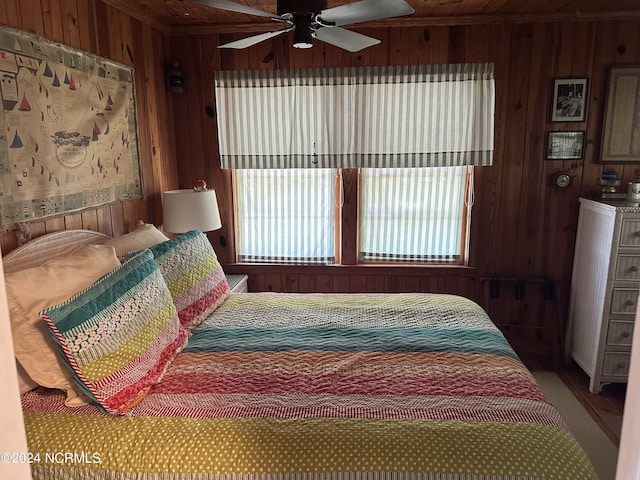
<point>565,145</point>
<point>569,100</point>
<point>621,132</point>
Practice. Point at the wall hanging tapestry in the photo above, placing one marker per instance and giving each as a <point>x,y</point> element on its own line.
<point>68,129</point>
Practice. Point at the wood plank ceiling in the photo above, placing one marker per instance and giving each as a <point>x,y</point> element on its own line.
<point>190,17</point>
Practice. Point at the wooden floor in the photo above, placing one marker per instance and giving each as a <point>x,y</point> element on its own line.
<point>606,408</point>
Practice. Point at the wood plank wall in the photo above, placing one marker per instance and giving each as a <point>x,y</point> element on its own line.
<point>92,26</point>
<point>522,228</point>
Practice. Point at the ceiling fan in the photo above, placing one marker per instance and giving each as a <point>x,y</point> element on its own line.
<point>311,19</point>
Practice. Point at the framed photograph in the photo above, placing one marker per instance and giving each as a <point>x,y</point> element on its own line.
<point>569,100</point>
<point>565,145</point>
<point>621,132</point>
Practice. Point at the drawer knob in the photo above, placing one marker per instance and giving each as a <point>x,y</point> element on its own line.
<point>620,365</point>
<point>629,302</point>
<point>637,233</point>
<point>625,334</point>
<point>633,268</point>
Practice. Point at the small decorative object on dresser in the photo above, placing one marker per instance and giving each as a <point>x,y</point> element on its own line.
<point>609,183</point>
<point>604,290</point>
<point>238,283</point>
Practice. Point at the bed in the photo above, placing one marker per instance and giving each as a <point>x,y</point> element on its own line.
<point>309,386</point>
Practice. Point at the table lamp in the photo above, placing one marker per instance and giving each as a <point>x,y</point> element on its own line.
<point>185,210</point>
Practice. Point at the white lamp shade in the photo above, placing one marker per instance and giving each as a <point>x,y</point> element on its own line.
<point>185,210</point>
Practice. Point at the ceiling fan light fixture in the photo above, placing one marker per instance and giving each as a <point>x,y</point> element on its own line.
<point>302,37</point>
<point>302,43</point>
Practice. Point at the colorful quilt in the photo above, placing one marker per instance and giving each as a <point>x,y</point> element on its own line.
<point>323,387</point>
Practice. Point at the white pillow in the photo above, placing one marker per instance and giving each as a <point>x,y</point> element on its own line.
<point>145,236</point>
<point>24,380</point>
<point>32,290</point>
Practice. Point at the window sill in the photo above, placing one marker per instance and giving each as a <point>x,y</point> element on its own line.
<point>430,270</point>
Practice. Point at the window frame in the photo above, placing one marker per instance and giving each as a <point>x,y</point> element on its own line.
<point>347,225</point>
<point>236,216</point>
<point>464,231</point>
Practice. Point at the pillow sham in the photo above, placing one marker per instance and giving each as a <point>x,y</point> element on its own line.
<point>119,335</point>
<point>194,276</point>
<point>25,383</point>
<point>144,236</point>
<point>31,290</point>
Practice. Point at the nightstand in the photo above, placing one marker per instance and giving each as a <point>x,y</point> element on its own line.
<point>238,283</point>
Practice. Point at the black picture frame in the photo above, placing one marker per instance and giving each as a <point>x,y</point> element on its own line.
<point>563,145</point>
<point>569,99</point>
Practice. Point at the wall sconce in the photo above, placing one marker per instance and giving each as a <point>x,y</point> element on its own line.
<point>175,79</point>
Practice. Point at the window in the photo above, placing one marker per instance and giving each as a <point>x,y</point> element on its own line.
<point>289,215</point>
<point>414,214</point>
<point>414,132</point>
<point>285,215</point>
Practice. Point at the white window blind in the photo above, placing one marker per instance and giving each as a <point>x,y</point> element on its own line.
<point>413,214</point>
<point>370,117</point>
<point>285,216</point>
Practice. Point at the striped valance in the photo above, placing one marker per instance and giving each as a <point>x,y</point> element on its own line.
<point>354,75</point>
<point>364,117</point>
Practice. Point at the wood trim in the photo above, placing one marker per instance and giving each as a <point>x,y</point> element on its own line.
<point>461,281</point>
<point>349,253</point>
<point>337,213</point>
<point>144,15</point>
<point>458,271</point>
<point>411,21</point>
<point>465,231</point>
<point>232,211</point>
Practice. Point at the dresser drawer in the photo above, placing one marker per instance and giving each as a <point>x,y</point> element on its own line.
<point>624,300</point>
<point>619,333</point>
<point>616,363</point>
<point>628,267</point>
<point>630,233</point>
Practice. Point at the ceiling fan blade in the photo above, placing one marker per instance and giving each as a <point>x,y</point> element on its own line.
<point>343,38</point>
<point>364,11</point>
<point>236,7</point>
<point>249,41</point>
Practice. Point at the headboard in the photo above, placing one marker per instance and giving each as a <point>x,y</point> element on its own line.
<point>44,248</point>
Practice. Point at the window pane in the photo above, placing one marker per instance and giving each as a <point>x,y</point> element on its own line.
<point>285,215</point>
<point>412,214</point>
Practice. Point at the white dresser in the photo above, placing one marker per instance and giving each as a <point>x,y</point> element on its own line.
<point>604,290</point>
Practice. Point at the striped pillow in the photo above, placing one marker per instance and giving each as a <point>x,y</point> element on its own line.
<point>119,335</point>
<point>194,276</point>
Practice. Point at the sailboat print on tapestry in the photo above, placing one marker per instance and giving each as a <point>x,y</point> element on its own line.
<point>59,107</point>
